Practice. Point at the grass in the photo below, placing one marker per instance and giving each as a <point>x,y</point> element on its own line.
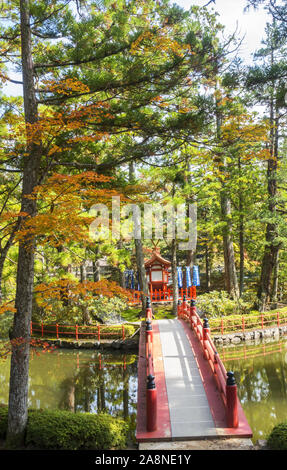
<point>133,314</point>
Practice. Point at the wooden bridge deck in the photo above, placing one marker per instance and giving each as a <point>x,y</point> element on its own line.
<point>189,403</point>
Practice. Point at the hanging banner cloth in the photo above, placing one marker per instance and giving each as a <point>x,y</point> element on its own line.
<point>195,276</point>
<point>188,278</point>
<point>179,277</point>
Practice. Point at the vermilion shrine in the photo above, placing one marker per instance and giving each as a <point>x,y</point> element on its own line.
<point>157,272</point>
<point>159,279</point>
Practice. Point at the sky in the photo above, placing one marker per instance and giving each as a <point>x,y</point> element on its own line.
<point>250,26</point>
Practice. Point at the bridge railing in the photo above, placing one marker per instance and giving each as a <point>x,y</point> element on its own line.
<point>151,390</point>
<point>225,380</point>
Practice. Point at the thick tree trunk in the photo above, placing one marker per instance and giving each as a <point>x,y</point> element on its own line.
<point>19,373</point>
<point>271,247</point>
<point>274,293</point>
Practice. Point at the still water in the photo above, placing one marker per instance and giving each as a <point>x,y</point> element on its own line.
<point>80,381</point>
<point>261,375</point>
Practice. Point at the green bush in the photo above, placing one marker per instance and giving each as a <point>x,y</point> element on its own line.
<point>57,429</point>
<point>6,321</point>
<point>218,303</point>
<point>252,321</point>
<point>108,309</point>
<point>277,439</point>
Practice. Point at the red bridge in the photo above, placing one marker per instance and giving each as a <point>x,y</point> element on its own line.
<point>184,390</point>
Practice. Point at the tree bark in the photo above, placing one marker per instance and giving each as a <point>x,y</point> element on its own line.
<point>174,276</point>
<point>271,247</point>
<point>19,372</point>
<point>231,282</point>
<point>241,247</point>
<point>207,269</point>
<point>229,260</point>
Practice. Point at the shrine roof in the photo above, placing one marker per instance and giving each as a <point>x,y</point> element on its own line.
<point>156,258</point>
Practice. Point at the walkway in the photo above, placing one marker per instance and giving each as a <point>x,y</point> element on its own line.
<point>189,403</point>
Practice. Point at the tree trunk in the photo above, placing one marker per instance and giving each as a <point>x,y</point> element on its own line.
<point>271,247</point>
<point>207,269</point>
<point>139,252</point>
<point>241,248</point>
<point>229,261</point>
<point>142,274</point>
<point>274,293</point>
<point>174,276</point>
<point>231,282</point>
<point>19,372</point>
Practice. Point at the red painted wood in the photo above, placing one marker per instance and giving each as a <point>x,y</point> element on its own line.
<point>163,432</point>
<point>216,403</point>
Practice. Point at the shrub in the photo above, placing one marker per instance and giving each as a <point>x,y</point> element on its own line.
<point>277,439</point>
<point>57,429</point>
<point>6,321</point>
<point>252,321</point>
<point>218,303</point>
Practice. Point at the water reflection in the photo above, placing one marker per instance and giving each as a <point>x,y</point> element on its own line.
<point>261,374</point>
<point>80,381</point>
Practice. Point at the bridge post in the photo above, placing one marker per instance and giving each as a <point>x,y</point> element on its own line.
<point>192,307</point>
<point>231,401</point>
<point>149,331</point>
<point>205,332</point>
<point>192,311</point>
<point>184,306</point>
<point>151,404</point>
<point>148,309</point>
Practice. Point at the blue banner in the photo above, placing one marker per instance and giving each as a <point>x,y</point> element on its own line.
<point>129,279</point>
<point>195,276</point>
<point>188,279</point>
<point>179,277</point>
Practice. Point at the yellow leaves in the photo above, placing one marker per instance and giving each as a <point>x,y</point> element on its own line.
<point>64,201</point>
<point>7,307</point>
<point>160,42</point>
<point>67,86</point>
<point>68,289</point>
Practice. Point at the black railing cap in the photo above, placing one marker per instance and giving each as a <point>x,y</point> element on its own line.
<point>150,382</point>
<point>148,325</point>
<point>230,378</point>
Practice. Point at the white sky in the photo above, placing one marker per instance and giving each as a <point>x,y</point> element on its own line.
<point>250,25</point>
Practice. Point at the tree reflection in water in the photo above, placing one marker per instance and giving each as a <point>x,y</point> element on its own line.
<point>80,381</point>
<point>261,380</point>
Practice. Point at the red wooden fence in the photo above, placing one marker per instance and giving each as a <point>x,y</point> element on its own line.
<point>158,295</point>
<point>77,331</point>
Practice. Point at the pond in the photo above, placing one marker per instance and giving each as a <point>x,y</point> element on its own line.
<point>261,375</point>
<point>82,381</point>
